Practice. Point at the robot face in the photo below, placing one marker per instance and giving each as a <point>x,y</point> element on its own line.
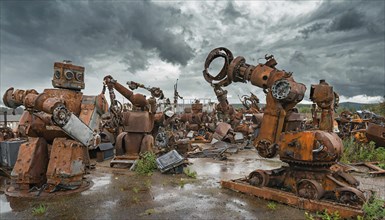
<point>68,76</point>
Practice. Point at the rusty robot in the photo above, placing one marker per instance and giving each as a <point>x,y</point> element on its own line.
<point>133,128</point>
<point>308,153</point>
<point>60,125</point>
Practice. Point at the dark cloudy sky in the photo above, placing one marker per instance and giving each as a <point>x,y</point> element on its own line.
<point>156,42</point>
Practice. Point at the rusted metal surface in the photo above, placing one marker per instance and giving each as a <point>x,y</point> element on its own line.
<point>56,152</point>
<point>310,147</point>
<point>308,153</point>
<point>363,126</point>
<point>137,100</point>
<point>67,163</point>
<point>291,199</point>
<point>31,165</point>
<point>68,76</point>
<point>156,92</point>
<point>373,167</point>
<point>250,103</point>
<point>132,129</point>
<point>137,122</point>
<point>322,94</point>
<point>376,133</point>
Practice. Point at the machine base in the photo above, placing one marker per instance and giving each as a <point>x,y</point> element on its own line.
<point>241,185</point>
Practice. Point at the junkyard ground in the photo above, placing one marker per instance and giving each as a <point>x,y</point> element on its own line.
<point>121,194</point>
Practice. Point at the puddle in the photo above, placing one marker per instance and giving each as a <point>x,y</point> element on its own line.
<point>99,183</point>
<point>235,167</point>
<point>4,204</point>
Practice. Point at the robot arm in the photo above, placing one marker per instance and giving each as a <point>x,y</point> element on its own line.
<point>156,92</point>
<point>282,92</point>
<point>137,100</point>
<point>223,102</point>
<point>61,116</point>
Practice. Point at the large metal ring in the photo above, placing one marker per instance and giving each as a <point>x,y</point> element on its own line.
<point>221,77</point>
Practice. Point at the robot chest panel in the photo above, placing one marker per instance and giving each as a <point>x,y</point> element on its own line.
<point>73,99</point>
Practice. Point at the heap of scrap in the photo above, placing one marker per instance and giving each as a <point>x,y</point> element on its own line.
<point>364,126</point>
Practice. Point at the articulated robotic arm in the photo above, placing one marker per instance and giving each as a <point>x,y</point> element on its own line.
<point>283,93</point>
<point>133,128</point>
<point>156,92</point>
<point>138,100</point>
<point>309,153</point>
<point>54,108</point>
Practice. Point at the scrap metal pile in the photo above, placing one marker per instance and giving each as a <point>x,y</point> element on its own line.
<point>364,126</point>
<point>61,128</point>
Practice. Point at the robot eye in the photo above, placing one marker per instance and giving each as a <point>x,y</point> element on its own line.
<point>79,76</point>
<point>69,75</point>
<point>57,74</point>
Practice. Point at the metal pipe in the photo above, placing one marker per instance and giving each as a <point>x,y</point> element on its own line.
<point>5,119</point>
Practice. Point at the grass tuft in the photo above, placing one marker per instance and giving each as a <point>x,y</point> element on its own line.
<point>146,164</point>
<point>39,210</point>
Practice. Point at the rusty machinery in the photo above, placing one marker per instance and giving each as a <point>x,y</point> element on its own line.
<point>5,131</point>
<point>60,125</point>
<point>309,154</point>
<point>250,103</point>
<point>232,120</point>
<point>165,123</point>
<point>156,92</point>
<point>176,95</point>
<point>364,126</point>
<point>131,128</point>
<point>227,114</point>
<point>196,123</point>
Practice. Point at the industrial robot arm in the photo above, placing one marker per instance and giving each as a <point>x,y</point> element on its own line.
<point>283,93</point>
<point>55,107</point>
<point>137,100</point>
<point>156,92</point>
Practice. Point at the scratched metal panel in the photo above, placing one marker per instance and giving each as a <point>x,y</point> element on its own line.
<point>78,130</point>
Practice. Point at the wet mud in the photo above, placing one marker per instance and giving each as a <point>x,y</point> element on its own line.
<point>121,194</point>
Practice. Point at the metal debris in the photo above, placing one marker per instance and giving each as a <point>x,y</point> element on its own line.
<point>170,161</point>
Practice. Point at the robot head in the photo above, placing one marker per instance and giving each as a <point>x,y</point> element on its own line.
<point>68,76</point>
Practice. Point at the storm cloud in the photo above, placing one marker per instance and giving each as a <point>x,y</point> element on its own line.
<point>156,42</point>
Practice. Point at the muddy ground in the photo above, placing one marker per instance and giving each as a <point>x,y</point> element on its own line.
<point>121,194</point>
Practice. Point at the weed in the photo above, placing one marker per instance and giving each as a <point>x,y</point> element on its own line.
<point>148,184</point>
<point>39,210</point>
<point>182,183</point>
<point>190,173</point>
<point>135,189</point>
<point>135,199</point>
<point>381,165</point>
<point>361,152</point>
<point>325,215</point>
<point>272,205</point>
<point>374,209</point>
<point>309,216</point>
<point>150,211</point>
<point>146,164</point>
